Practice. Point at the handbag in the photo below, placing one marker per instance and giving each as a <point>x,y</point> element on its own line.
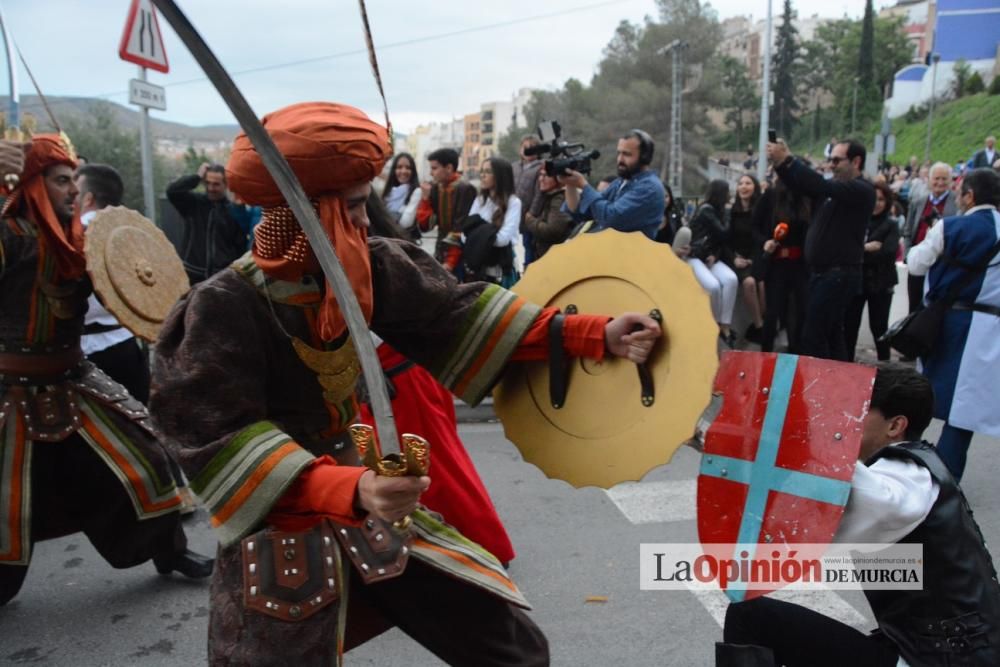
<point>916,334</point>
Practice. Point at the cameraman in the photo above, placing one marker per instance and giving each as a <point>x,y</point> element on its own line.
<point>633,202</point>
<point>835,240</point>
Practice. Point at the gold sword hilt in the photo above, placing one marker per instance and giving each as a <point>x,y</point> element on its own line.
<point>413,459</point>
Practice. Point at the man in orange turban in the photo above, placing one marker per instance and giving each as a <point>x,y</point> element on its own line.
<point>78,453</point>
<point>254,384</point>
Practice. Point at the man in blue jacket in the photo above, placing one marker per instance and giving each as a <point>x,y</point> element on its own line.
<point>634,202</point>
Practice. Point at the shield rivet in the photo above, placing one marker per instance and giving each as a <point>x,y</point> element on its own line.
<point>295,611</point>
<point>838,436</point>
<point>765,391</point>
<point>743,374</point>
<point>768,538</point>
<point>724,472</point>
<point>708,460</point>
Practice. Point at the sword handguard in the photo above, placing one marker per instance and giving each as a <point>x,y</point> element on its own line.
<point>412,461</point>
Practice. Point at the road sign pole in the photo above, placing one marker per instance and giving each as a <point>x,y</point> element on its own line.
<point>145,141</point>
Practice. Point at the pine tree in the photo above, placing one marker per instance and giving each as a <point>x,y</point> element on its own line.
<point>786,66</point>
<point>866,57</point>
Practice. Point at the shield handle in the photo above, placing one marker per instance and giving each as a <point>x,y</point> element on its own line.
<point>559,368</point>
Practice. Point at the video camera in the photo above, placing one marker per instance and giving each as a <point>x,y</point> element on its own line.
<point>562,156</point>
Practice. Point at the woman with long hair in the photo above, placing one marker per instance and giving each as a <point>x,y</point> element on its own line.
<point>401,193</point>
<point>878,275</point>
<point>499,208</point>
<point>782,216</point>
<point>747,244</point>
<point>673,217</point>
<point>709,236</point>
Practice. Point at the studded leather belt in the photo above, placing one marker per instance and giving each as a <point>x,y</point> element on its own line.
<point>30,365</point>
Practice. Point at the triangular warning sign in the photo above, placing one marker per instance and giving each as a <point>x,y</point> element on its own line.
<point>142,42</point>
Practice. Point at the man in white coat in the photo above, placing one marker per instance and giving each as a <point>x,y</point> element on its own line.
<point>965,363</point>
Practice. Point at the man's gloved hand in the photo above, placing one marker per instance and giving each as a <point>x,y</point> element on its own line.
<point>12,161</point>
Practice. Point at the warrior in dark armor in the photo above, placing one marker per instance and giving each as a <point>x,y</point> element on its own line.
<point>77,452</point>
<point>254,385</point>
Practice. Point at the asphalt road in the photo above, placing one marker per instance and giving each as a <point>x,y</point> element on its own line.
<point>571,544</point>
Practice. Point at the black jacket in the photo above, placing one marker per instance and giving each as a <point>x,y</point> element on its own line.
<point>709,233</point>
<point>212,238</point>
<point>955,619</point>
<point>879,271</point>
<point>836,234</point>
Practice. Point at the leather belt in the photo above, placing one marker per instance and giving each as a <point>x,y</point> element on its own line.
<point>40,365</point>
<point>793,252</point>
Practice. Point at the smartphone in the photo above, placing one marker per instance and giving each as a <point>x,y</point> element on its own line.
<point>772,135</point>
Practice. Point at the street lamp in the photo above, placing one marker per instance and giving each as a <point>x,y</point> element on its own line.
<point>676,50</point>
<point>765,103</point>
<point>935,57</point>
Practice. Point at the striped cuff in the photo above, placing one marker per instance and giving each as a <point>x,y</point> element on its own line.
<point>243,481</point>
<point>486,341</point>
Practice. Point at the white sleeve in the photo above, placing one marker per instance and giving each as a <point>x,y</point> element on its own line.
<point>923,255</point>
<point>477,206</point>
<point>888,501</point>
<point>511,222</point>
<point>409,213</point>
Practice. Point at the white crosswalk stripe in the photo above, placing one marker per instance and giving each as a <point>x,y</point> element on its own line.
<point>675,500</point>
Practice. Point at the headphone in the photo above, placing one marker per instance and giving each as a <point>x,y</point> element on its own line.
<point>646,145</point>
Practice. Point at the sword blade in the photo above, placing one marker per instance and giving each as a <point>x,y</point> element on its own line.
<point>296,197</point>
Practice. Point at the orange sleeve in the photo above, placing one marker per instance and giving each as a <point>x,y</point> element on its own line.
<point>424,213</point>
<point>324,489</point>
<point>583,336</point>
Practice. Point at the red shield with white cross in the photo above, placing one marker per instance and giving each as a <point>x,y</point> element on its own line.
<point>779,457</point>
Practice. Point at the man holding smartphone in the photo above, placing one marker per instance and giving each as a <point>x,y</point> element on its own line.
<point>835,240</point>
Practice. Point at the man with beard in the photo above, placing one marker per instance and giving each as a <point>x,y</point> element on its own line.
<point>77,451</point>
<point>632,203</point>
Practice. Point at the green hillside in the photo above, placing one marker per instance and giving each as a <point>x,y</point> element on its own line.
<point>960,126</point>
<point>959,129</point>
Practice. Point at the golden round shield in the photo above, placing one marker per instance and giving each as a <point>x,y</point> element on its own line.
<point>134,268</point>
<point>605,433</point>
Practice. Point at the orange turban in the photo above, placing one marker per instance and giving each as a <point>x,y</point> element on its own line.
<point>330,147</point>
<point>66,245</point>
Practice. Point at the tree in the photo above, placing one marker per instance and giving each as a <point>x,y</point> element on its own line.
<point>975,84</point>
<point>962,71</point>
<point>786,68</point>
<point>995,86</point>
<point>194,159</point>
<point>866,55</point>
<point>102,140</point>
<point>742,96</point>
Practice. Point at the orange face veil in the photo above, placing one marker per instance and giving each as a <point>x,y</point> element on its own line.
<point>330,147</point>
<point>31,198</point>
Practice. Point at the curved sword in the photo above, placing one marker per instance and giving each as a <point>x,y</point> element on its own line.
<point>296,197</point>
<point>14,113</point>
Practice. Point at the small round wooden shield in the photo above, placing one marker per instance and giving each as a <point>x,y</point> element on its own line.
<point>606,431</point>
<point>134,268</point>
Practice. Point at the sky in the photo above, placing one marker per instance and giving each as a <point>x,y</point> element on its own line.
<point>439,59</point>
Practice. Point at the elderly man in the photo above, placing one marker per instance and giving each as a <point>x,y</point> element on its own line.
<point>965,361</point>
<point>254,382</point>
<point>78,452</point>
<point>986,156</point>
<point>923,213</point>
